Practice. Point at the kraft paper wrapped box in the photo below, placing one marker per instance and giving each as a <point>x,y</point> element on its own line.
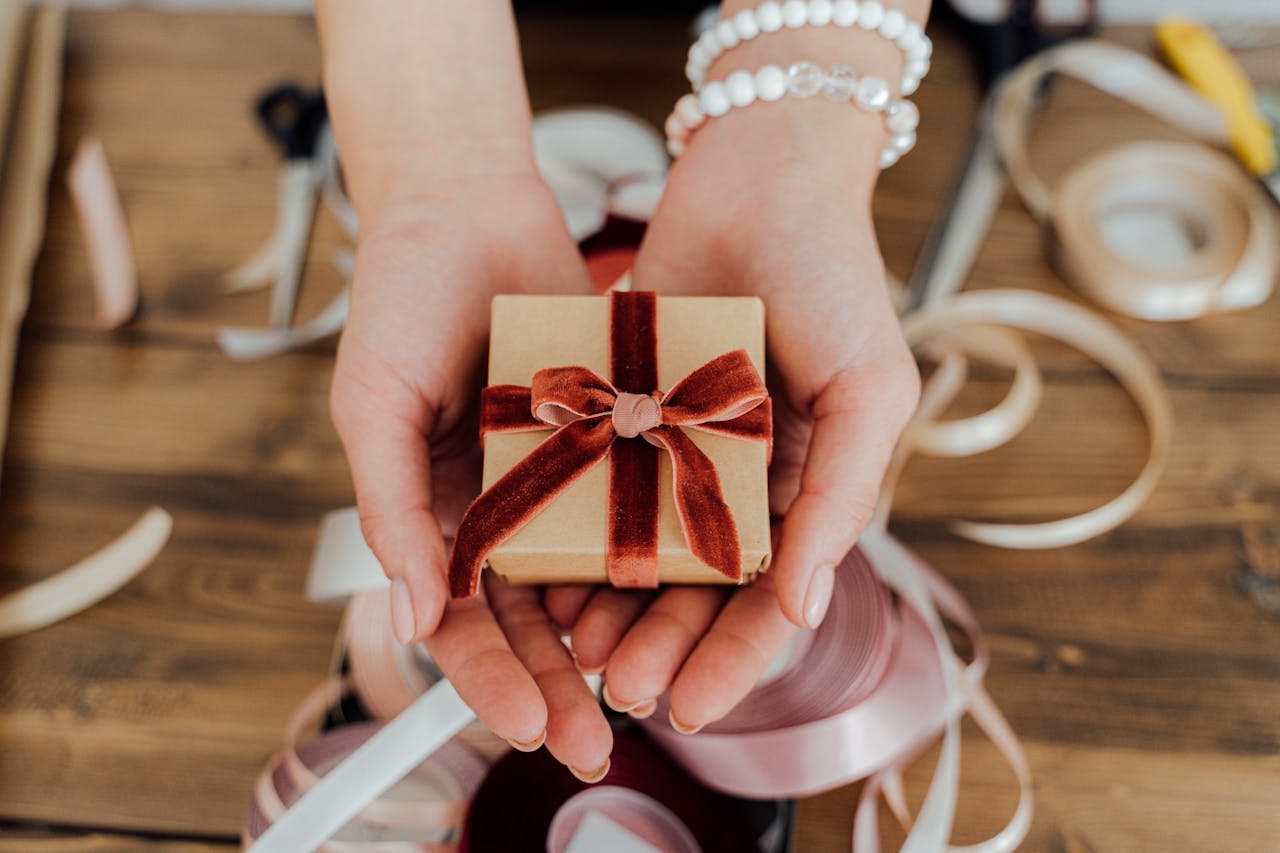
<point>567,539</point>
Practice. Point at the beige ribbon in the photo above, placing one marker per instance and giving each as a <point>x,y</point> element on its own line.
<point>1233,266</point>
<point>1231,220</point>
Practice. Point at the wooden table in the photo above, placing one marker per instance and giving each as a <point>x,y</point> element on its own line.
<point>1141,669</point>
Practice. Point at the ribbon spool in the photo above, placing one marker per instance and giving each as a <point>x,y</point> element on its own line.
<point>529,803</point>
<point>1225,220</point>
<point>866,692</point>
<point>420,814</point>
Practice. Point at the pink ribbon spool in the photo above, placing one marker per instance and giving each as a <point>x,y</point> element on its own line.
<point>867,693</point>
<point>637,813</point>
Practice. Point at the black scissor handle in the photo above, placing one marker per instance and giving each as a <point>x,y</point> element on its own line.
<point>293,117</point>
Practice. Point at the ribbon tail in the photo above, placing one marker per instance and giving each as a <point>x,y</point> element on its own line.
<point>522,493</point>
<point>708,524</point>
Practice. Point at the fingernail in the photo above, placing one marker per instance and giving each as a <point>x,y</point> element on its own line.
<point>620,707</point>
<point>531,746</point>
<point>818,596</point>
<point>644,710</point>
<point>592,778</point>
<point>402,620</point>
<point>681,727</point>
<point>588,670</point>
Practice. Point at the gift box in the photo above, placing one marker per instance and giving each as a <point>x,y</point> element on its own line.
<point>626,440</point>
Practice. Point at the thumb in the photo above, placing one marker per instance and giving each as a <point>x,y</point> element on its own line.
<point>384,436</point>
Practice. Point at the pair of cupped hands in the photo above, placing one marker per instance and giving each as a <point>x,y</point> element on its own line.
<point>772,207</point>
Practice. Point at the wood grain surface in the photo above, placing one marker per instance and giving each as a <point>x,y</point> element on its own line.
<point>1142,669</point>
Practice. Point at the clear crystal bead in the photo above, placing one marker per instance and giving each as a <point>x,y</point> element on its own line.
<point>840,84</point>
<point>804,79</point>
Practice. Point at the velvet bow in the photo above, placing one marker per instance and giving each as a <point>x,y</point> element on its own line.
<point>593,419</point>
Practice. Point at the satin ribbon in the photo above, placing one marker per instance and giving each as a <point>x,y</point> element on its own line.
<point>89,581</point>
<point>725,396</point>
<point>423,813</point>
<point>106,234</point>
<point>1235,263</point>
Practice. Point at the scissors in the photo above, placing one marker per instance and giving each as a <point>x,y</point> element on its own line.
<point>1002,42</point>
<point>294,118</point>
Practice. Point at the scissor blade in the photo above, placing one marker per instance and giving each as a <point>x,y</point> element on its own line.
<point>956,236</point>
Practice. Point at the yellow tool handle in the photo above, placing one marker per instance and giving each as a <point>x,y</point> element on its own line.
<point>1195,52</point>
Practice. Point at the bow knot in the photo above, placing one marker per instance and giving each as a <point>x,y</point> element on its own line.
<point>635,413</point>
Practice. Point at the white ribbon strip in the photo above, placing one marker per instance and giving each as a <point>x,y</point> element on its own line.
<point>88,581</point>
<point>97,203</point>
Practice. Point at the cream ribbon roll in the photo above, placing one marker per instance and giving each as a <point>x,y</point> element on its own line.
<point>1228,221</point>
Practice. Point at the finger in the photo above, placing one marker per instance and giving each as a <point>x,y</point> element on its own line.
<point>578,735</point>
<point>857,419</point>
<point>474,655</point>
<point>565,603</point>
<point>648,658</point>
<point>390,466</point>
<point>748,634</point>
<point>604,620</point>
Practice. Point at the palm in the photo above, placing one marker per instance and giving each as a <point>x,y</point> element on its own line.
<point>410,367</point>
<point>843,385</point>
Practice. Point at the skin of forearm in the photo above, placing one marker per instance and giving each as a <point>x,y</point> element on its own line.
<point>422,92</point>
<point>843,143</point>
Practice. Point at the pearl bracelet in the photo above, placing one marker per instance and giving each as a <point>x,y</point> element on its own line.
<point>801,80</point>
<point>772,16</point>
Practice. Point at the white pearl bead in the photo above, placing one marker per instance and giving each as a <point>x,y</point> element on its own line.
<point>710,45</point>
<point>845,13</point>
<point>694,73</point>
<point>872,94</point>
<point>675,148</point>
<point>714,99</point>
<point>928,46</point>
<point>697,55</point>
<point>675,128</point>
<point>769,16</point>
<point>915,68</point>
<point>903,142</point>
<point>893,24</point>
<point>910,85</point>
<point>795,13</point>
<point>900,116</point>
<point>870,15</point>
<point>745,23</point>
<point>887,157</point>
<point>741,87</point>
<point>820,13</point>
<point>727,35</point>
<point>912,35</point>
<point>771,83</point>
<point>690,111</point>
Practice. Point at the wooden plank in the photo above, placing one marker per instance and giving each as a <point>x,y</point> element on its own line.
<point>28,840</point>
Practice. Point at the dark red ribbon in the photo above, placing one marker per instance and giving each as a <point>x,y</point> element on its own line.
<point>590,415</point>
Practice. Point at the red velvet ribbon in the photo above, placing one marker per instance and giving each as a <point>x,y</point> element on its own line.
<point>596,418</point>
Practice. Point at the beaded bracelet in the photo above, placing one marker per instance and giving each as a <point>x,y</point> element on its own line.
<point>801,80</point>
<point>772,16</point>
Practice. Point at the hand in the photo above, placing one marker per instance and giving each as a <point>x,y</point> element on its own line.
<point>771,203</point>
<point>405,394</point>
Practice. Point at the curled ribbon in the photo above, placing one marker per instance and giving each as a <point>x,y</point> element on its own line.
<point>589,414</point>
